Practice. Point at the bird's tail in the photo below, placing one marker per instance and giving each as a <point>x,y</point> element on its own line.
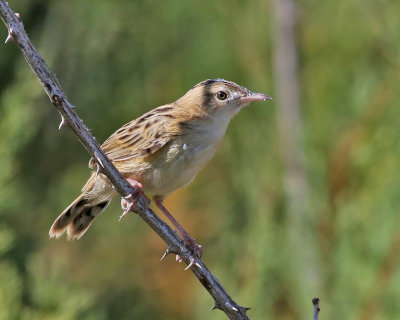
<point>77,218</point>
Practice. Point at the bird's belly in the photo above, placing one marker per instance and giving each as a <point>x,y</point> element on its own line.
<point>177,167</point>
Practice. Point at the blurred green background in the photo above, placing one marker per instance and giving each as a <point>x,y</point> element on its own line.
<point>280,222</point>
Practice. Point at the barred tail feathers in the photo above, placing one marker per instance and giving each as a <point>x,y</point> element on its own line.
<point>77,218</point>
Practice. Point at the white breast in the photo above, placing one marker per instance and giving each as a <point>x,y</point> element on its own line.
<point>184,158</point>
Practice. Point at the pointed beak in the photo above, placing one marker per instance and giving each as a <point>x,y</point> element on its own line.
<point>252,96</point>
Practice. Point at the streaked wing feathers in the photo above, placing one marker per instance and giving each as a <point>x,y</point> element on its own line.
<point>141,137</point>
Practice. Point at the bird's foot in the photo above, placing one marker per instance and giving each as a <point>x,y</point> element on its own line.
<point>189,242</point>
<point>192,244</point>
<point>128,202</point>
<point>195,247</point>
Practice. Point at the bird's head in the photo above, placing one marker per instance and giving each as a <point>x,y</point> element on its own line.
<point>220,97</point>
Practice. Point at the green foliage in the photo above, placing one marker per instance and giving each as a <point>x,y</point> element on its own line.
<point>10,281</point>
<point>49,296</point>
<point>118,59</point>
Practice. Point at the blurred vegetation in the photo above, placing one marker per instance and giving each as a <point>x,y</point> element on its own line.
<point>118,59</point>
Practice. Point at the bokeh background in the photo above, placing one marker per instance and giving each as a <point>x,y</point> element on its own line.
<point>302,199</point>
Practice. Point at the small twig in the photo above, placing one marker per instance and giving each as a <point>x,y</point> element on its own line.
<point>315,302</point>
<point>59,99</point>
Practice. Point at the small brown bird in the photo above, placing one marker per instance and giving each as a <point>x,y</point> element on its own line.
<point>161,151</point>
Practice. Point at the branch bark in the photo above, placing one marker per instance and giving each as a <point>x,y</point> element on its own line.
<point>315,302</point>
<point>69,117</point>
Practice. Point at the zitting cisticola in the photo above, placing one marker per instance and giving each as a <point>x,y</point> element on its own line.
<point>161,151</point>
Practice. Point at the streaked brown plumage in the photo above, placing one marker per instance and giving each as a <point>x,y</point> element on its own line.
<point>163,150</point>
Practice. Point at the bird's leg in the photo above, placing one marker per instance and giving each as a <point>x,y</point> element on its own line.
<point>127,203</point>
<point>197,249</point>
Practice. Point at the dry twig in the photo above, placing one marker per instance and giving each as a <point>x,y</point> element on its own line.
<point>315,302</point>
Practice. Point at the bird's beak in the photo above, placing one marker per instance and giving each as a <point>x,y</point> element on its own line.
<point>252,96</point>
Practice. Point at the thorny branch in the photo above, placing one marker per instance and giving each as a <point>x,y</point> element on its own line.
<point>69,118</point>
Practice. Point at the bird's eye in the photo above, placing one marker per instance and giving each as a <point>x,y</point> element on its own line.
<point>222,95</point>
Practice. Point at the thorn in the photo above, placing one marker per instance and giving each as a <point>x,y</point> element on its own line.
<point>190,264</point>
<point>197,264</point>
<point>231,307</point>
<point>164,255</point>
<point>216,306</point>
<point>9,36</point>
<point>62,123</point>
<point>178,259</point>
<point>167,252</point>
<point>18,15</point>
<point>244,309</point>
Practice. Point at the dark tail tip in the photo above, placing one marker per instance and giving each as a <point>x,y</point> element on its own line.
<point>83,220</point>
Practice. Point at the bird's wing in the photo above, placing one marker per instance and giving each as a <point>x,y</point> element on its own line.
<point>141,137</point>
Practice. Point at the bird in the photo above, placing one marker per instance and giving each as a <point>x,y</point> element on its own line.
<point>159,152</point>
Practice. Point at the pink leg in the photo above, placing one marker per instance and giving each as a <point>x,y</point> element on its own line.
<point>197,249</point>
<point>128,202</point>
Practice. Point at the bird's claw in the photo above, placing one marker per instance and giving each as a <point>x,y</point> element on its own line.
<point>192,244</point>
<point>128,202</point>
<point>188,241</point>
<point>197,252</point>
